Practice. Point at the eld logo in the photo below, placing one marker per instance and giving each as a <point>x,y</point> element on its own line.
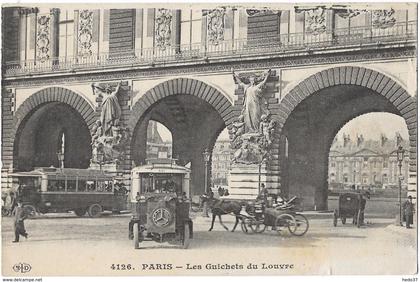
<point>22,267</point>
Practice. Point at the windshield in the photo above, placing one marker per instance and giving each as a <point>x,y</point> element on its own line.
<point>161,183</point>
<point>29,183</point>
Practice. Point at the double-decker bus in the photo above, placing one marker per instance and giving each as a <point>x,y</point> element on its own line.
<point>50,189</point>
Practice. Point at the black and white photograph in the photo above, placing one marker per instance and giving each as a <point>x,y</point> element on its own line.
<point>204,139</point>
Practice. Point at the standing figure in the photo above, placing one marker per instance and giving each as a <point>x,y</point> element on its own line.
<point>111,110</point>
<point>253,106</point>
<point>408,207</point>
<point>19,225</point>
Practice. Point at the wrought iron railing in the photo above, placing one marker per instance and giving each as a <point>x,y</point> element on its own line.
<point>284,43</point>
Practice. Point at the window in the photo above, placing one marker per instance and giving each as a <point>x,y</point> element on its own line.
<point>66,33</point>
<point>81,185</point>
<point>332,164</point>
<point>56,185</point>
<point>190,28</point>
<point>346,178</point>
<point>385,164</point>
<point>71,185</point>
<point>384,178</point>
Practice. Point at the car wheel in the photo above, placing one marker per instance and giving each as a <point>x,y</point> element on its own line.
<point>80,211</point>
<point>95,210</point>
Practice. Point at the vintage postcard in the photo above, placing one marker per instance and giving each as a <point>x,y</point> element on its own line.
<point>209,139</point>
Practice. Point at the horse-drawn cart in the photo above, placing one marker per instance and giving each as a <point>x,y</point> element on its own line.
<point>281,217</point>
<point>350,205</point>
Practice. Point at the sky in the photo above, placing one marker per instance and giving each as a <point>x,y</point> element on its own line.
<point>370,125</point>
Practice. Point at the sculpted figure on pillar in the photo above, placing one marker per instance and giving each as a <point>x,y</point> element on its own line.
<point>252,133</point>
<point>254,102</point>
<point>108,137</point>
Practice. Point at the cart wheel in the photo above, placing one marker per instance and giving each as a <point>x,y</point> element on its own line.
<point>136,234</point>
<point>343,220</point>
<point>30,210</point>
<point>95,210</point>
<point>186,237</point>
<point>80,212</point>
<point>359,219</point>
<point>285,220</point>
<point>257,226</point>
<point>302,225</point>
<point>335,218</point>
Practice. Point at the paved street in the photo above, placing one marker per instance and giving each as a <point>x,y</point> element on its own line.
<point>91,246</point>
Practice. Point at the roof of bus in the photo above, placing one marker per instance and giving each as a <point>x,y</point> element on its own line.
<point>47,171</point>
<point>161,166</point>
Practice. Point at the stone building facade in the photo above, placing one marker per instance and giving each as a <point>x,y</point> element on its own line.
<point>97,76</point>
<point>221,162</point>
<point>366,164</point>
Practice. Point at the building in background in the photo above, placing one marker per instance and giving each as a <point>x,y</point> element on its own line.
<point>157,148</point>
<point>366,164</point>
<point>221,161</point>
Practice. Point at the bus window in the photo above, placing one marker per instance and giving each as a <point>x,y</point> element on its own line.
<point>56,185</point>
<point>146,184</point>
<point>81,187</point>
<point>90,186</point>
<point>108,186</point>
<point>71,185</point>
<point>101,186</point>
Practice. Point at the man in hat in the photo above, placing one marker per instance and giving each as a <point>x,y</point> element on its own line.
<point>20,216</point>
<point>408,207</point>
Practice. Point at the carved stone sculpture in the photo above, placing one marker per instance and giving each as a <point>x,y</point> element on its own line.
<point>252,133</point>
<point>383,18</point>
<point>108,137</point>
<point>215,26</point>
<point>43,38</point>
<point>163,28</point>
<point>85,32</point>
<point>254,103</point>
<point>315,21</point>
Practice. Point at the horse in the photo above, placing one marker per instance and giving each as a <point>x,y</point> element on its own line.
<point>221,207</point>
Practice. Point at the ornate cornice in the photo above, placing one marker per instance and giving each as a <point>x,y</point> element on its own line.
<point>201,67</point>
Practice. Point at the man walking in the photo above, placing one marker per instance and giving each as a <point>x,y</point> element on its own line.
<point>20,216</point>
<point>408,211</point>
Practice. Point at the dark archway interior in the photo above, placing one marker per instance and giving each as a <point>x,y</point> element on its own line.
<point>310,130</point>
<point>39,138</point>
<point>195,126</point>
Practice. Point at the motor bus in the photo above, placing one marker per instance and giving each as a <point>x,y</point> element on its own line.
<point>50,189</point>
<point>160,201</point>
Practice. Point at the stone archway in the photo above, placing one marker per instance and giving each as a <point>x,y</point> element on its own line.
<point>52,111</point>
<point>347,92</point>
<point>192,110</point>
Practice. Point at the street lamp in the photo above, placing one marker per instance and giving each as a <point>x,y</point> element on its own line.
<point>60,156</point>
<point>206,156</point>
<point>400,158</point>
<point>100,159</point>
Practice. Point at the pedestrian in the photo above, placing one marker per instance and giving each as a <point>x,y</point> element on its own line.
<point>408,207</point>
<point>19,225</point>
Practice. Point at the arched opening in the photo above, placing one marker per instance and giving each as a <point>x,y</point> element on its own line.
<point>310,129</point>
<point>194,125</point>
<point>50,128</point>
<point>365,148</point>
